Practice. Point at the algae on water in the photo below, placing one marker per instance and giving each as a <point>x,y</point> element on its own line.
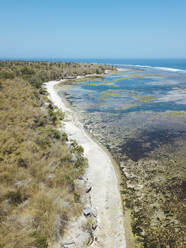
<point>112,93</point>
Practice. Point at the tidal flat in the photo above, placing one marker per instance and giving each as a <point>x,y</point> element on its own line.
<point>142,122</point>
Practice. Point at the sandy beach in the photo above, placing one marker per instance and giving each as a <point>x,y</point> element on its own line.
<point>105,196</point>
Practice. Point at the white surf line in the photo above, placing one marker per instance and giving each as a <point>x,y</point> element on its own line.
<point>105,196</point>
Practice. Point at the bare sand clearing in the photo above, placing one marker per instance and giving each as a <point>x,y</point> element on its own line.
<point>105,196</point>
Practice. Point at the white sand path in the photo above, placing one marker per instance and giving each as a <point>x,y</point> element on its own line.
<point>105,196</point>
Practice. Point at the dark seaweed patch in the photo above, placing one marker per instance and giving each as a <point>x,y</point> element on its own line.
<point>149,140</point>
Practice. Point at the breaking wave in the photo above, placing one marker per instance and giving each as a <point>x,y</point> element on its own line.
<point>153,67</point>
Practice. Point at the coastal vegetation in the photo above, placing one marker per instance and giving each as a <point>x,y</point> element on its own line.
<point>38,164</point>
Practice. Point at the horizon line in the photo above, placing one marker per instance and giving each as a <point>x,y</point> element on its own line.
<point>84,58</point>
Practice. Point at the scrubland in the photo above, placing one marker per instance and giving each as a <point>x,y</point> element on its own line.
<point>38,164</point>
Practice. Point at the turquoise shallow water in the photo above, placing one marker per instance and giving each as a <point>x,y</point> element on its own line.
<point>137,108</point>
<point>137,89</point>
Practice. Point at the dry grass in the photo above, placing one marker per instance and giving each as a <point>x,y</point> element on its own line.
<point>37,173</point>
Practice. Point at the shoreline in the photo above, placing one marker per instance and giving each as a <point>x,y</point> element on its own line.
<point>105,193</point>
<point>129,235</point>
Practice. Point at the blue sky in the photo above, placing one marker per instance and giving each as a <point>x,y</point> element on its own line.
<point>93,28</point>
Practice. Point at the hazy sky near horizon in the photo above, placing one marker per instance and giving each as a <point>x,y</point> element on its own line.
<point>93,28</point>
